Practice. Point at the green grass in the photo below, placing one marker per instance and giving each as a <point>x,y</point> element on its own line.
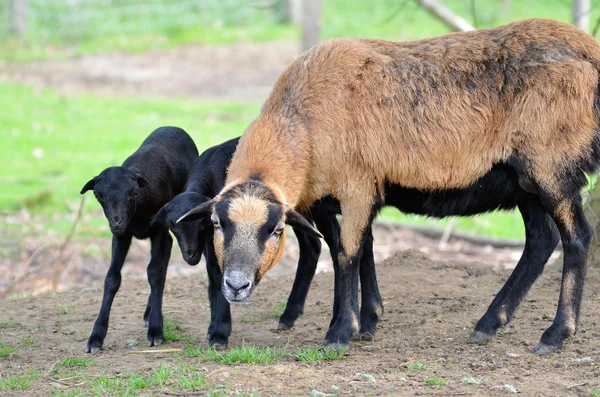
<point>253,319</point>
<point>246,354</point>
<point>27,341</point>
<point>278,311</point>
<point>595,393</point>
<point>18,382</point>
<point>63,309</point>
<point>435,381</point>
<point>240,21</point>
<point>172,332</point>
<point>9,324</point>
<point>314,354</point>
<point>6,350</point>
<point>74,362</point>
<point>418,366</point>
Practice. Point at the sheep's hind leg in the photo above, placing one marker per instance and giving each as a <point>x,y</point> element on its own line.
<point>576,235</point>
<point>541,238</point>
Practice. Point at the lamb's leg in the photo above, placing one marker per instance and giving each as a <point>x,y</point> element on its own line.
<point>310,249</point>
<point>161,242</point>
<point>541,238</point>
<point>112,282</point>
<point>220,312</point>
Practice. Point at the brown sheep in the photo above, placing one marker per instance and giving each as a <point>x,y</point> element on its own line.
<point>351,116</point>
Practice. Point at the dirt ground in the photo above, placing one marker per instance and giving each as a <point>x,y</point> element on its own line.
<point>430,309</point>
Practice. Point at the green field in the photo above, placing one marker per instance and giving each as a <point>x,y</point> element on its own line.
<point>52,144</point>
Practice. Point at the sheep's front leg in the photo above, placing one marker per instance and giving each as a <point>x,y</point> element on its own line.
<point>357,214</point>
<point>220,311</point>
<point>112,282</point>
<point>160,254</point>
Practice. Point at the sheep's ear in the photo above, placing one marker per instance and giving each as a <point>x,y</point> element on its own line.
<point>89,185</point>
<point>298,222</point>
<point>143,182</point>
<point>201,211</point>
<point>159,218</point>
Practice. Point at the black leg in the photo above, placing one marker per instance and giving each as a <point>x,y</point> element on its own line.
<point>330,229</point>
<point>161,242</point>
<point>371,308</point>
<point>220,311</point>
<point>310,249</point>
<point>541,238</point>
<point>576,235</point>
<point>147,312</point>
<point>112,282</point>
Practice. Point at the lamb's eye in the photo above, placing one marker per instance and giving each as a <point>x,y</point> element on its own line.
<point>215,221</point>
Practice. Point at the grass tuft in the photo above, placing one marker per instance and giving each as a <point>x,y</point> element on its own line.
<point>435,381</point>
<point>9,324</point>
<point>26,341</point>
<point>16,382</point>
<point>418,366</point>
<point>6,350</point>
<point>278,311</point>
<point>172,332</point>
<point>74,362</point>
<point>246,354</point>
<point>312,354</point>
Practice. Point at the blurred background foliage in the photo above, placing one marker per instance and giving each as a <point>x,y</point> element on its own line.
<point>52,142</point>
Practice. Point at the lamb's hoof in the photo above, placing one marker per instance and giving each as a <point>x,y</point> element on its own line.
<point>145,323</point>
<point>542,349</point>
<point>336,347</point>
<point>93,350</point>
<point>154,342</point>
<point>479,338</point>
<point>284,327</point>
<point>218,346</point>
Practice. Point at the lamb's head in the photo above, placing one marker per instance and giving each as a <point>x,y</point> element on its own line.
<point>249,223</point>
<point>117,189</point>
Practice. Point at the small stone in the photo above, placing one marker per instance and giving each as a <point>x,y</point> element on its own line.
<point>512,355</point>
<point>583,360</point>
<point>334,389</point>
<point>510,388</point>
<point>367,378</point>
<point>316,393</point>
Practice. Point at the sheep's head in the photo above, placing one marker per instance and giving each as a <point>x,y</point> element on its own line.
<point>117,189</point>
<point>249,224</point>
<point>191,236</point>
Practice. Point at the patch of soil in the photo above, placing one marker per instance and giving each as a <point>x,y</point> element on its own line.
<point>235,71</point>
<point>430,310</point>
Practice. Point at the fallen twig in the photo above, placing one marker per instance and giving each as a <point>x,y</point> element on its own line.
<point>578,384</point>
<point>60,266</point>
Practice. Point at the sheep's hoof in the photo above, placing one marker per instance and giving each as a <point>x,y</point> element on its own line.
<point>156,341</point>
<point>93,350</point>
<point>218,346</point>
<point>479,338</point>
<point>284,326</point>
<point>336,347</point>
<point>363,337</point>
<point>217,342</point>
<point>145,323</point>
<point>542,349</point>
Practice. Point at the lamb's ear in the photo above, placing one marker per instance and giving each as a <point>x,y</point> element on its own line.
<point>298,222</point>
<point>201,211</point>
<point>160,216</point>
<point>143,182</point>
<point>89,185</point>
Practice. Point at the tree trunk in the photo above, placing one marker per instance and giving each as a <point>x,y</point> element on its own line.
<point>17,17</point>
<point>311,23</point>
<point>445,15</point>
<point>581,14</point>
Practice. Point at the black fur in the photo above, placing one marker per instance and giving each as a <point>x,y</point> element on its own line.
<point>130,196</point>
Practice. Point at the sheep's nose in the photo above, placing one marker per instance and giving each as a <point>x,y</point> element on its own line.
<point>116,220</point>
<point>237,284</point>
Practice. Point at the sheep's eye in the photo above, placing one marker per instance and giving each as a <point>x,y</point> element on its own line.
<point>278,230</point>
<point>215,221</point>
<point>98,197</point>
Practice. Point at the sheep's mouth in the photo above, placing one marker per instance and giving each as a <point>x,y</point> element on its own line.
<point>118,231</point>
